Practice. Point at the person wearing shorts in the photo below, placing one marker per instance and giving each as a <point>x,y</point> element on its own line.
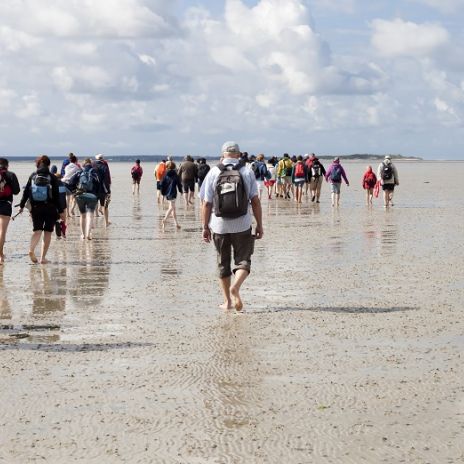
<point>188,172</point>
<point>388,183</point>
<point>44,213</point>
<point>230,234</point>
<point>335,174</point>
<point>9,186</point>
<point>104,181</point>
<point>87,201</point>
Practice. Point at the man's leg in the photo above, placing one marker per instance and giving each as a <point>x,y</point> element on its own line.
<point>34,241</point>
<point>225,287</point>
<point>223,245</point>
<point>47,238</point>
<point>4,221</point>
<point>243,245</point>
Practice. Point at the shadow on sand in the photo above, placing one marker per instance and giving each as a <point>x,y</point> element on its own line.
<point>333,309</point>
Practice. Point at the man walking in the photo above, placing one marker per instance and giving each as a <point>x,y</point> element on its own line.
<point>227,192</point>
<point>388,175</point>
<point>104,178</point>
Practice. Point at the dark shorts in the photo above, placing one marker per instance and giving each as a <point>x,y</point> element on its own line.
<point>242,243</point>
<point>44,217</point>
<point>104,199</point>
<point>388,187</point>
<point>86,202</point>
<point>136,181</point>
<point>158,184</point>
<point>188,185</point>
<point>5,208</point>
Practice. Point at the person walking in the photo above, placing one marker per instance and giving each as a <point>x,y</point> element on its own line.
<point>202,169</point>
<point>87,191</point>
<point>169,186</point>
<point>188,172</point>
<point>334,175</point>
<point>136,174</point>
<point>69,179</point>
<point>60,224</point>
<point>43,192</point>
<point>271,178</point>
<point>284,173</point>
<point>228,190</point>
<point>316,173</point>
<point>299,175</point>
<point>368,183</point>
<point>9,186</point>
<point>160,172</point>
<point>104,182</point>
<point>388,175</point>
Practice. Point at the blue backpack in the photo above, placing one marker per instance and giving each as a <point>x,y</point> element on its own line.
<point>336,173</point>
<point>41,188</point>
<point>85,182</point>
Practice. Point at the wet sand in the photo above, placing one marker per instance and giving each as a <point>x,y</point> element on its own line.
<point>350,349</point>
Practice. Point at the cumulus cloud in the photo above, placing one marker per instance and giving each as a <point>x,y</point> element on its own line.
<point>405,38</point>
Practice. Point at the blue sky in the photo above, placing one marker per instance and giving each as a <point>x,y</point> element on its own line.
<point>167,76</point>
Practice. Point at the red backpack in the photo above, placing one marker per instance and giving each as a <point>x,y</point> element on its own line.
<point>5,188</point>
<point>299,170</point>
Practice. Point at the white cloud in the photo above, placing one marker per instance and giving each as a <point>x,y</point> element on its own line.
<point>404,38</point>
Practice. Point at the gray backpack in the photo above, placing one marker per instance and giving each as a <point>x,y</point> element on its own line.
<point>230,196</point>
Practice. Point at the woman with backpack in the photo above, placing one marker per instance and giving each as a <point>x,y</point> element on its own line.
<point>335,173</point>
<point>368,184</point>
<point>9,186</point>
<point>86,197</point>
<point>299,174</point>
<point>169,187</point>
<point>43,193</point>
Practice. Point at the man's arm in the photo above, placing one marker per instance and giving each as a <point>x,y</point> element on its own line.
<point>257,213</point>
<point>205,217</point>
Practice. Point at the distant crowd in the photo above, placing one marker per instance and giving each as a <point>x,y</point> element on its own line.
<point>51,195</point>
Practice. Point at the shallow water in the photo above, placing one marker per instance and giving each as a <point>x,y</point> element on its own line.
<point>349,349</point>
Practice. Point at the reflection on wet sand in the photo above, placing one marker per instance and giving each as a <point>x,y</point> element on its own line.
<point>388,234</point>
<point>48,287</point>
<point>90,278</point>
<point>136,209</point>
<point>5,308</point>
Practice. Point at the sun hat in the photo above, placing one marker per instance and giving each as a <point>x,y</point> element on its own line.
<point>230,147</point>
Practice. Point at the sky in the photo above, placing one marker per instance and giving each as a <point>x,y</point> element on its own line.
<point>180,77</point>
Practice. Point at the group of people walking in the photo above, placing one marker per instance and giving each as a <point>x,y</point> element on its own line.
<point>51,196</point>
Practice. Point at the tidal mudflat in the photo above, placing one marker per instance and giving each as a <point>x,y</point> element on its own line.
<point>350,349</point>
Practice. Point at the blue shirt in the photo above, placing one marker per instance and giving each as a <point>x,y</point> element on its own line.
<point>220,225</point>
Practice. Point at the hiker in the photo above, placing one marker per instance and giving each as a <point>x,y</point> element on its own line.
<point>136,174</point>
<point>65,163</point>
<point>388,175</point>
<point>284,174</point>
<point>9,186</point>
<point>169,186</point>
<point>104,182</point>
<point>188,172</point>
<point>60,224</point>
<point>299,175</point>
<point>69,179</point>
<point>368,184</point>
<point>270,181</point>
<point>43,193</point>
<point>202,169</point>
<point>160,172</point>
<point>87,191</point>
<point>316,173</point>
<point>228,190</point>
<point>261,173</point>
<point>334,175</point>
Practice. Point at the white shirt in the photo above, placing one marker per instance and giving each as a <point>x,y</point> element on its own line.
<point>220,225</point>
<point>69,171</point>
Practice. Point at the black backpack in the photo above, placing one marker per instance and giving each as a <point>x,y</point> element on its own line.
<point>316,170</point>
<point>203,169</point>
<point>230,196</point>
<point>387,171</point>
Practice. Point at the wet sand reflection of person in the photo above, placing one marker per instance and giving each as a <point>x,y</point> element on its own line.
<point>48,292</point>
<point>92,273</point>
<point>388,234</point>
<point>5,308</point>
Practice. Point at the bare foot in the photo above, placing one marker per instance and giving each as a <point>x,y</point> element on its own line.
<point>238,305</point>
<point>2,259</point>
<point>89,237</point>
<point>33,257</point>
<point>178,226</point>
<point>226,305</point>
<point>163,223</point>
<point>82,237</point>
<point>44,261</point>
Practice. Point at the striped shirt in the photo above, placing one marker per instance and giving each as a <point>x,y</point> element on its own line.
<point>220,225</point>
